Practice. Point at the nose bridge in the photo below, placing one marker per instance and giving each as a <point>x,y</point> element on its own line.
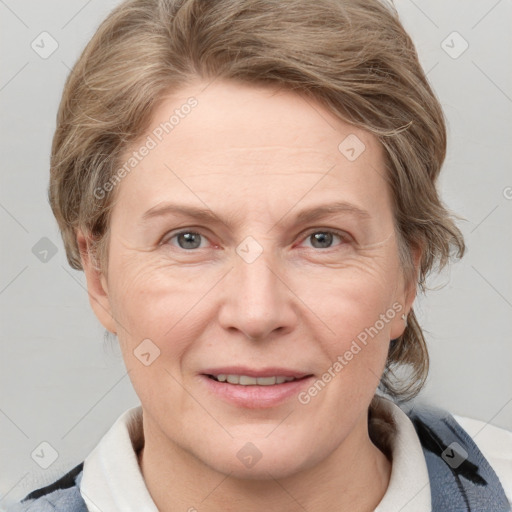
<point>257,277</point>
<point>258,302</point>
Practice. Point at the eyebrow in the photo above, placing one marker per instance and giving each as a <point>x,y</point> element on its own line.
<point>207,215</point>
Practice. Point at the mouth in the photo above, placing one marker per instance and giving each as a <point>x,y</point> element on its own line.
<point>254,389</point>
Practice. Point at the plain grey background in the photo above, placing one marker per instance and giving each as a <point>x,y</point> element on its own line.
<point>62,384</point>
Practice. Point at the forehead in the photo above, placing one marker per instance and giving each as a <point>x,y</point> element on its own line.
<point>247,140</point>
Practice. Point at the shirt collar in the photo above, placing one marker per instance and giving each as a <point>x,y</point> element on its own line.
<point>111,478</point>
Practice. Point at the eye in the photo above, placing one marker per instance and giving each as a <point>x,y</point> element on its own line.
<point>320,239</point>
<point>186,239</point>
<point>323,239</point>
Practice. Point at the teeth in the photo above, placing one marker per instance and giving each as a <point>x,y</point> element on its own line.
<point>248,381</point>
<point>245,380</point>
<point>264,381</point>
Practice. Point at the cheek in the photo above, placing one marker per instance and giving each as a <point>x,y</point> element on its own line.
<point>357,306</point>
<point>150,305</point>
<point>358,313</point>
<point>349,299</point>
<point>152,299</point>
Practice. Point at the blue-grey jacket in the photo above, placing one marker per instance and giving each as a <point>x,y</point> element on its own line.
<point>458,482</point>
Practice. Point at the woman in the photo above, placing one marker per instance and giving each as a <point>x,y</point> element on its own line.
<point>250,189</point>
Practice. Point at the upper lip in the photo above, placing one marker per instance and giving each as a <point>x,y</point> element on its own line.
<point>253,372</point>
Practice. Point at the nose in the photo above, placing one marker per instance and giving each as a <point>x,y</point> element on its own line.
<point>258,300</point>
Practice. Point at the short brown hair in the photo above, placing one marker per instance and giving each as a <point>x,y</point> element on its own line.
<point>353,56</point>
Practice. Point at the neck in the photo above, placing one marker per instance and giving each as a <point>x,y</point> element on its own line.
<point>357,478</point>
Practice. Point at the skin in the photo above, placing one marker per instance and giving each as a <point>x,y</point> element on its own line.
<point>255,156</point>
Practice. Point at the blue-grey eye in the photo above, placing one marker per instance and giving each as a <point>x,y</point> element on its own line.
<point>321,239</point>
<point>188,240</point>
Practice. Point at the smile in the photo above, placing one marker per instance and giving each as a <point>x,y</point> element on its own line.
<point>263,389</point>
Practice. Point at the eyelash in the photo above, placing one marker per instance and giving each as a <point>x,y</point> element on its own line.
<point>345,237</point>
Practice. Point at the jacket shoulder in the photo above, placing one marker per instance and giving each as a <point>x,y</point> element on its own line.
<point>63,495</point>
<point>461,478</point>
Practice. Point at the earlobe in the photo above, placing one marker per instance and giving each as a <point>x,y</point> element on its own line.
<point>399,323</point>
<point>96,284</point>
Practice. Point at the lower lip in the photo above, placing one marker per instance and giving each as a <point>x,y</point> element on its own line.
<point>255,397</point>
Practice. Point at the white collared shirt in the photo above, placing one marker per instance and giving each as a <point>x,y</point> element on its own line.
<point>112,480</point>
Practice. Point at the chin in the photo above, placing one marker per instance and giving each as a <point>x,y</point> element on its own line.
<point>264,459</point>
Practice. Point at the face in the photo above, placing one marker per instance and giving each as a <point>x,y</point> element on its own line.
<point>255,238</point>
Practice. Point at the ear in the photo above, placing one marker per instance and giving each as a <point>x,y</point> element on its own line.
<point>407,297</point>
<point>96,284</point>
